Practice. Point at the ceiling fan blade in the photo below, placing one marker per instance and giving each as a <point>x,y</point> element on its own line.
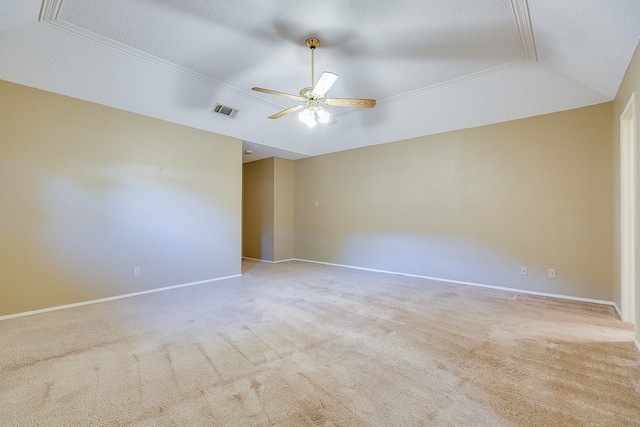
<point>274,92</point>
<point>325,82</point>
<point>287,111</point>
<point>352,102</point>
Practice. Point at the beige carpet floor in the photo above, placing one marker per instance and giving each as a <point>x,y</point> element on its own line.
<point>298,344</point>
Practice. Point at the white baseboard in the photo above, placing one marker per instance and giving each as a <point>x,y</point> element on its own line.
<point>638,345</point>
<point>269,262</point>
<point>460,282</point>
<point>617,309</point>
<point>95,301</point>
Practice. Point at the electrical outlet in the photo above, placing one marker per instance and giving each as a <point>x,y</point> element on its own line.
<point>136,271</point>
<point>552,273</point>
<point>523,271</point>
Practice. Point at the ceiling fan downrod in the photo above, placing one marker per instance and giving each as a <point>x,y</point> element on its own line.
<point>312,43</point>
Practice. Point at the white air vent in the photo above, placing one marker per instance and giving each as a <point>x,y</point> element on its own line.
<point>225,111</point>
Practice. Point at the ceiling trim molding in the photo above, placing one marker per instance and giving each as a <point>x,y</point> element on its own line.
<point>520,10</point>
<point>49,14</point>
<point>457,81</point>
<point>50,10</point>
<point>525,30</point>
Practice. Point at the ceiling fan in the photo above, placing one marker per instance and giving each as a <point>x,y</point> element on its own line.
<point>311,112</point>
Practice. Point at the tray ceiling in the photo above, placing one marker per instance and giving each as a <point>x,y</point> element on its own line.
<point>433,66</point>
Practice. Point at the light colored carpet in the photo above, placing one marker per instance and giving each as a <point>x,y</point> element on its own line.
<point>298,344</point>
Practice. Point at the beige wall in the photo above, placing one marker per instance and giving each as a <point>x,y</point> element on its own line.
<point>257,209</point>
<point>89,192</point>
<point>267,224</point>
<point>471,205</point>
<point>283,209</point>
<point>630,84</point>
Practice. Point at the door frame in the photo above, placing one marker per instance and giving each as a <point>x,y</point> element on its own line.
<point>628,213</point>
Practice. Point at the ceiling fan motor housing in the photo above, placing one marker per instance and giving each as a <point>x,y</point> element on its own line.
<point>307,93</point>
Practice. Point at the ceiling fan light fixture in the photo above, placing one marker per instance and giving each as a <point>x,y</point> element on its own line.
<point>323,115</point>
<point>311,115</point>
<point>308,117</point>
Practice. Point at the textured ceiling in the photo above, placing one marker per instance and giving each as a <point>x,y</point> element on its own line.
<point>432,65</point>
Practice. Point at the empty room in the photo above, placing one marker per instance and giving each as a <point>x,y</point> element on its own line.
<point>412,213</point>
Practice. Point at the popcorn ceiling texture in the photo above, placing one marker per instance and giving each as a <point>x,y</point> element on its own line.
<point>433,66</point>
<point>297,344</point>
